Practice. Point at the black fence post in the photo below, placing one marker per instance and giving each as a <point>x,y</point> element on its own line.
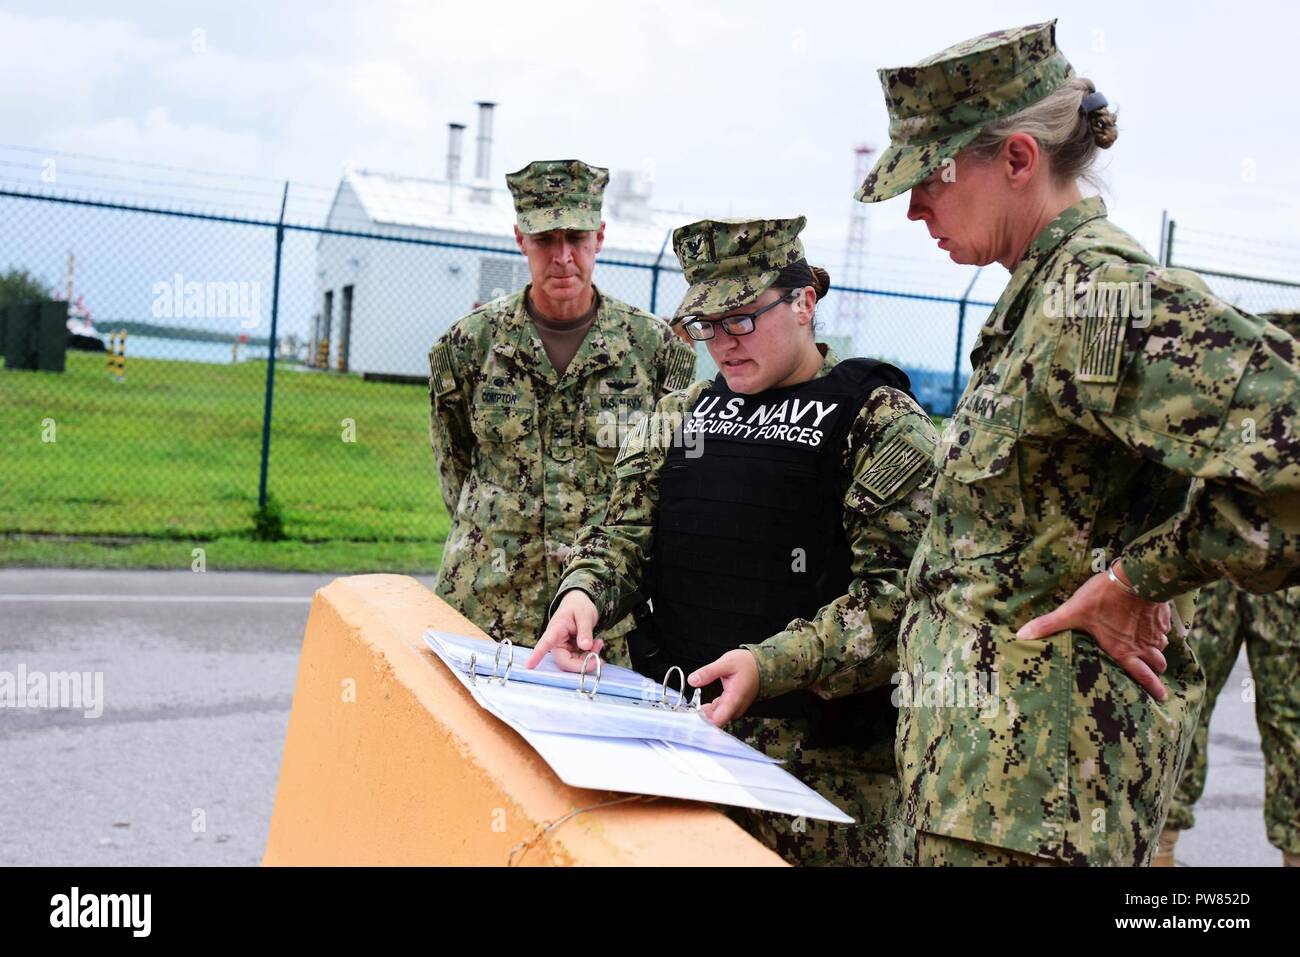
<point>654,274</point>
<point>272,345</point>
<point>961,326</point>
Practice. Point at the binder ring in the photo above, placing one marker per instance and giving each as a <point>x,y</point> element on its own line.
<point>582,676</point>
<point>510,662</point>
<point>681,688</point>
<point>473,664</point>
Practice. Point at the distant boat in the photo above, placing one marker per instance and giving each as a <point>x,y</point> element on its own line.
<point>81,330</point>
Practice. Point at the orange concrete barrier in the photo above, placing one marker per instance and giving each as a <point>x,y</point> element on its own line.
<point>388,760</point>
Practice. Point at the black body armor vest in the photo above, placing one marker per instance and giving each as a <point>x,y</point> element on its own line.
<point>749,532</point>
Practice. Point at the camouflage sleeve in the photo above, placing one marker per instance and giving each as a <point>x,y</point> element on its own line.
<point>852,643</point>
<point>449,427</point>
<point>1208,392</point>
<point>676,365</point>
<point>610,561</point>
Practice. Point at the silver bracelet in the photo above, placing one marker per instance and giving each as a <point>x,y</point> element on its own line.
<point>1110,573</point>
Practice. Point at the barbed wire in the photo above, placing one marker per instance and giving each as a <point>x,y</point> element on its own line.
<point>1181,230</point>
<point>139,201</point>
<point>159,166</point>
<point>312,204</point>
<point>64,172</point>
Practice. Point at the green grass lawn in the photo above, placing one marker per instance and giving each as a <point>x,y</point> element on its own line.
<point>141,472</point>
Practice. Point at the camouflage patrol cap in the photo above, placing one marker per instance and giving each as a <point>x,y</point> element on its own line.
<point>730,262</point>
<point>557,194</point>
<point>942,103</point>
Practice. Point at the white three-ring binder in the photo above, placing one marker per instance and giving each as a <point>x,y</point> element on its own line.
<point>613,729</point>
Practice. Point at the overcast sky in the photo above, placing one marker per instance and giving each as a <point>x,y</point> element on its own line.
<point>737,108</point>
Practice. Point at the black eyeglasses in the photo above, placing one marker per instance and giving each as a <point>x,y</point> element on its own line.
<point>741,324</point>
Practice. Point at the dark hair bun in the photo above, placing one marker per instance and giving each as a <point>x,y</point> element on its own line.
<point>821,281</point>
<point>1104,130</point>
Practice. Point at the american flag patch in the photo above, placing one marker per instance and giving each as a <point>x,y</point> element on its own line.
<point>891,466</point>
<point>681,368</point>
<point>441,378</point>
<point>1103,346</point>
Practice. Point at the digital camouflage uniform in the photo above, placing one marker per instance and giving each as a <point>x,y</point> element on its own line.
<point>525,455</point>
<point>611,564</point>
<point>1269,627</point>
<point>1089,430</point>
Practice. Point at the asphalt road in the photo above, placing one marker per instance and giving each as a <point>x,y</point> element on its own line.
<point>198,673</point>
<point>198,676</point>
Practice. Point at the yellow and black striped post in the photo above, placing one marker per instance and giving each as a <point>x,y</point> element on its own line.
<point>323,354</point>
<point>121,355</point>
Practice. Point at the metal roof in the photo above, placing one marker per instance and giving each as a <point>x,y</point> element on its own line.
<point>409,201</point>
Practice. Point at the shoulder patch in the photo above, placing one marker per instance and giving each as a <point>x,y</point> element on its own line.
<point>888,470</point>
<point>441,377</point>
<point>1113,294</point>
<point>634,443</point>
<point>680,371</point>
<point>1102,349</point>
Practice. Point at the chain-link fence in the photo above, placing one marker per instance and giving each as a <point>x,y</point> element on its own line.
<point>1257,275</point>
<point>182,439</point>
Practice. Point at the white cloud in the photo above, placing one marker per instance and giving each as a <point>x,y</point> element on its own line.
<point>387,91</point>
<point>54,64</point>
<point>741,109</point>
<point>157,138</point>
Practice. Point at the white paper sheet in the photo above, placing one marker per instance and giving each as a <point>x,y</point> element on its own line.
<point>567,712</point>
<point>619,764</point>
<point>714,767</point>
<point>654,766</point>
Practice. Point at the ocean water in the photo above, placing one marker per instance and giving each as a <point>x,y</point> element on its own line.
<point>187,350</point>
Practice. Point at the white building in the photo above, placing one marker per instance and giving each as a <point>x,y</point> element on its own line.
<point>449,247</point>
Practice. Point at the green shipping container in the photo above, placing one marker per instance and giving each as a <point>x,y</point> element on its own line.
<point>34,335</point>
<point>52,337</point>
<point>20,334</point>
